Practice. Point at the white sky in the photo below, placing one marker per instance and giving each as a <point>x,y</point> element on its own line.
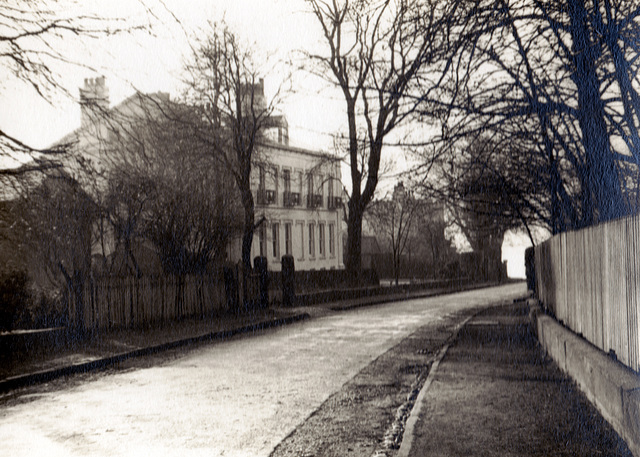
<point>278,28</point>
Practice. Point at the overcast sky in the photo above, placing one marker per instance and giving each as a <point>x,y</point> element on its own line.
<point>153,62</point>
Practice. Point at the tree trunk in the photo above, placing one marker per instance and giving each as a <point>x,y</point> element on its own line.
<point>602,197</point>
<point>353,261</point>
<point>396,267</point>
<point>248,229</point>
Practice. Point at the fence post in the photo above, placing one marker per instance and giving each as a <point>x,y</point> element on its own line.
<point>288,281</point>
<point>530,268</point>
<point>260,265</point>
<point>231,286</point>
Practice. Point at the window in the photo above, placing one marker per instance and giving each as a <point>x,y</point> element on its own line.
<point>301,231</point>
<point>275,179</point>
<point>332,240</point>
<point>288,199</point>
<point>312,240</point>
<point>310,185</point>
<point>275,233</point>
<point>321,240</point>
<point>330,189</point>
<point>263,240</point>
<point>262,197</point>
<point>287,238</point>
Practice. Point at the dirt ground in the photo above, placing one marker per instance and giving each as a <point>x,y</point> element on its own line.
<point>368,414</point>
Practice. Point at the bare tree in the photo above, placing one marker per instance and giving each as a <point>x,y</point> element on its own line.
<point>54,218</point>
<point>483,188</point>
<point>393,219</point>
<point>376,56</point>
<point>162,187</point>
<point>32,35</point>
<point>225,84</point>
<point>547,86</point>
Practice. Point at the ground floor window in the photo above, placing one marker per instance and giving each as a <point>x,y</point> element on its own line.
<point>301,232</point>
<point>275,233</point>
<point>321,243</point>
<point>332,240</point>
<point>312,240</point>
<point>287,238</point>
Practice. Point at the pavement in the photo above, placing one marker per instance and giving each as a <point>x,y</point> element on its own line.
<point>493,392</point>
<point>29,361</point>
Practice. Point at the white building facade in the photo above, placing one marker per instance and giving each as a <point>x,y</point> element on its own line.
<point>297,192</point>
<point>298,208</point>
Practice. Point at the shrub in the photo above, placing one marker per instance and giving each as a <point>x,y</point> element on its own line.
<point>49,312</point>
<point>13,298</point>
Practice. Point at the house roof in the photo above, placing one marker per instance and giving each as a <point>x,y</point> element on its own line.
<point>318,154</point>
<point>117,113</point>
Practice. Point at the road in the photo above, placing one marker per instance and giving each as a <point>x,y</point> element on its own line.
<point>236,398</point>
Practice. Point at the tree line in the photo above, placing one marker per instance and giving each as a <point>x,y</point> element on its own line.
<point>515,113</point>
<point>530,106</point>
<point>539,117</point>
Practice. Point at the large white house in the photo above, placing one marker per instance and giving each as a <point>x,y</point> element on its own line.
<point>297,192</point>
<point>298,204</point>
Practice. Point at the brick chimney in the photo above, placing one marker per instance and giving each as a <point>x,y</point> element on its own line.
<point>94,100</point>
<point>247,91</point>
<point>399,192</point>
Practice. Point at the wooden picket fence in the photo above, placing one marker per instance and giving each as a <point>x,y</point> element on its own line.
<point>128,301</point>
<point>590,280</point>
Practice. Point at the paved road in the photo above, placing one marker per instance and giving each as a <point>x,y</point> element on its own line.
<point>237,398</point>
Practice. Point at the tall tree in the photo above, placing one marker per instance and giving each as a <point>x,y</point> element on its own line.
<point>376,55</point>
<point>548,85</point>
<point>224,82</point>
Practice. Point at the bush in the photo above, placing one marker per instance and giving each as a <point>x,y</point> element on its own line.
<point>452,270</point>
<point>13,298</point>
<point>49,312</point>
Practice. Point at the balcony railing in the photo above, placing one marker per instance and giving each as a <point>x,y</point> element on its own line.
<point>266,197</point>
<point>314,201</point>
<point>334,202</point>
<point>291,199</point>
